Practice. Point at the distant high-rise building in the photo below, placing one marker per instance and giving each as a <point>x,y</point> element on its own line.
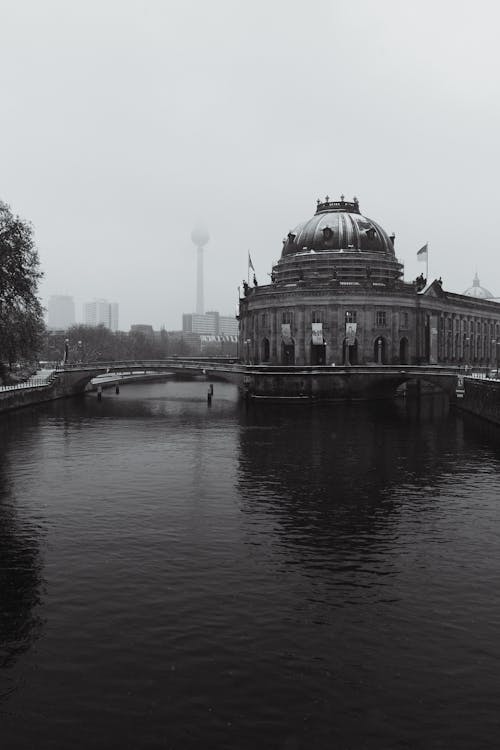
<point>61,311</point>
<point>210,323</point>
<point>101,312</point>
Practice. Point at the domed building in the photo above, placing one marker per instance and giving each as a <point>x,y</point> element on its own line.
<point>337,297</point>
<point>478,291</point>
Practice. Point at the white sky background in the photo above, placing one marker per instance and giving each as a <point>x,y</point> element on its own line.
<point>125,122</point>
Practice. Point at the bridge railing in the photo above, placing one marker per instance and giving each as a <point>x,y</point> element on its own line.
<point>148,364</point>
<point>29,383</point>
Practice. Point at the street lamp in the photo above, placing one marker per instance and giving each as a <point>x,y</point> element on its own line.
<point>66,351</point>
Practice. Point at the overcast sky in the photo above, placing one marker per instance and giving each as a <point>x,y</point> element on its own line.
<point>125,122</point>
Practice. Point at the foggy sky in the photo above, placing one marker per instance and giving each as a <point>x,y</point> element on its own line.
<point>124,123</point>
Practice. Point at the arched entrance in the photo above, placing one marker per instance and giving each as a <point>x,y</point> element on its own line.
<point>318,354</point>
<point>379,350</point>
<point>403,351</point>
<point>288,352</point>
<point>350,353</point>
<point>265,350</point>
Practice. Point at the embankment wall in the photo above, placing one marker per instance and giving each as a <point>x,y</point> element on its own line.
<point>482,397</point>
<point>63,385</point>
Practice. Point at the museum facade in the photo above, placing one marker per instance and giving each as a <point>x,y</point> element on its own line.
<point>337,296</point>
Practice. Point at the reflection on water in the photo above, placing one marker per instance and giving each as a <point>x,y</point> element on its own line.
<point>20,563</point>
<point>174,575</point>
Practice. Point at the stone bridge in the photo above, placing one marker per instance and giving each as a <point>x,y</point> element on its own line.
<point>347,382</point>
<point>282,382</point>
<point>77,375</point>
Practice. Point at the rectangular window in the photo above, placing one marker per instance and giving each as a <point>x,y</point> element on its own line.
<point>317,317</point>
<point>351,316</point>
<point>404,320</point>
<point>381,319</point>
<point>287,317</point>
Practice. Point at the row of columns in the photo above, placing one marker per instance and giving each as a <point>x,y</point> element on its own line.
<point>468,339</point>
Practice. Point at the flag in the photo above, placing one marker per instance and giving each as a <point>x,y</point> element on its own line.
<point>422,253</point>
<point>250,264</point>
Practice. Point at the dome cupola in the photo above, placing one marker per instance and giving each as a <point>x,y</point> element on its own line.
<point>338,226</point>
<point>478,291</point>
<point>338,243</point>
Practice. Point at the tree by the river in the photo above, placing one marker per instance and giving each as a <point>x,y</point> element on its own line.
<point>21,314</point>
<point>97,343</point>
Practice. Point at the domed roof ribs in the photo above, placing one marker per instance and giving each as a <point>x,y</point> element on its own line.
<point>338,240</point>
<point>342,232</point>
<point>380,236</point>
<point>357,235</point>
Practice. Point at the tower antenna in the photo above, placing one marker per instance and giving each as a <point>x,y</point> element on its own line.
<point>200,237</point>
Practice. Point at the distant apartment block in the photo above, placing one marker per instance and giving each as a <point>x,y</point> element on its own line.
<point>210,323</point>
<point>101,312</point>
<point>61,312</point>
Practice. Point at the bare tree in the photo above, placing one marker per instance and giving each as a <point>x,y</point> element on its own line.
<point>21,314</point>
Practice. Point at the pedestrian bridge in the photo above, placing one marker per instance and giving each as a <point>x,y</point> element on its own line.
<point>278,382</point>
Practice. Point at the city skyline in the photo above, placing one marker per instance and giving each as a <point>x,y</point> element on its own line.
<point>243,116</point>
<point>80,318</point>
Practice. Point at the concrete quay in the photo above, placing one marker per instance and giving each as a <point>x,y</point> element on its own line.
<point>482,398</point>
<point>38,391</point>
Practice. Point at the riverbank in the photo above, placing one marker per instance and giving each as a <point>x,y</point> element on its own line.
<point>54,385</point>
<point>482,398</point>
<point>33,393</point>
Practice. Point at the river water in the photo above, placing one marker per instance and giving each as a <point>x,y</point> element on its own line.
<point>179,576</point>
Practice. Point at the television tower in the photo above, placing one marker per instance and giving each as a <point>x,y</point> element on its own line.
<point>200,237</point>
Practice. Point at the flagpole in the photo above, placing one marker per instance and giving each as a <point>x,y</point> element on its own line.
<point>427,263</point>
<point>248,268</point>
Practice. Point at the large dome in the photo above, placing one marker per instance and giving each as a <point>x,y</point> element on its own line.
<point>338,226</point>
<point>478,291</point>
